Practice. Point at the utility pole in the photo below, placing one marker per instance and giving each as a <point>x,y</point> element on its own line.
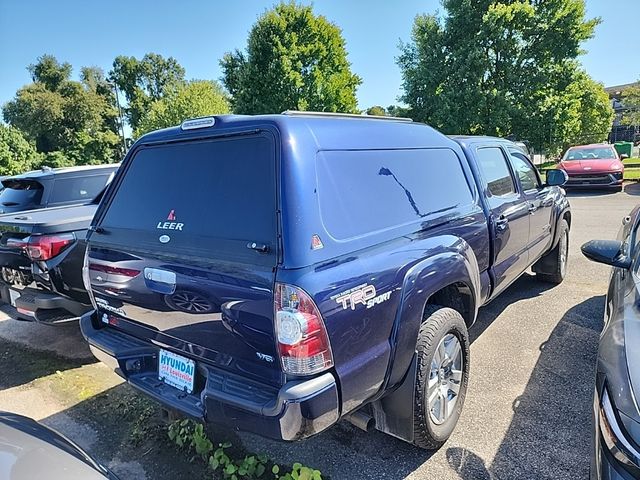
<point>124,142</point>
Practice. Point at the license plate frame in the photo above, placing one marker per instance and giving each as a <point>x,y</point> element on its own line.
<point>176,371</point>
<point>13,296</point>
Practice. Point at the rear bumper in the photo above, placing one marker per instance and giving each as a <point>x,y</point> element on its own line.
<point>297,410</point>
<point>38,305</point>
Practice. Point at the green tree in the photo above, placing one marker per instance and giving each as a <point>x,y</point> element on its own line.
<point>50,72</point>
<point>145,81</point>
<point>500,68</point>
<point>376,110</point>
<point>55,160</point>
<point>631,101</point>
<point>593,112</point>
<point>398,111</point>
<point>195,99</point>
<point>294,60</point>
<point>60,114</point>
<point>17,155</point>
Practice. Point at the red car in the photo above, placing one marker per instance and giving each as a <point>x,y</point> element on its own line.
<point>596,165</point>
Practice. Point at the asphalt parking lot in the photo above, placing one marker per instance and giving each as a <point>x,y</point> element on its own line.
<point>526,415</point>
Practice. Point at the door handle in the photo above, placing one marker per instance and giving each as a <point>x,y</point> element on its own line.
<point>502,223</point>
<point>532,208</point>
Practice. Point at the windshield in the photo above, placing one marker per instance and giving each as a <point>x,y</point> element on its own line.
<point>593,153</point>
<point>20,193</point>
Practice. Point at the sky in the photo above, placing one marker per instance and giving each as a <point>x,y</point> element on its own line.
<point>198,33</point>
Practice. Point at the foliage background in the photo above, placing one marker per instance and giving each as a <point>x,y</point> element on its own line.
<point>479,67</point>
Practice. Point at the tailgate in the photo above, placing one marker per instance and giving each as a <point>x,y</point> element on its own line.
<point>185,252</point>
<point>13,231</point>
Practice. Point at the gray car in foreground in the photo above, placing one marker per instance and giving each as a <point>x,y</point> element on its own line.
<point>616,447</point>
<point>29,450</point>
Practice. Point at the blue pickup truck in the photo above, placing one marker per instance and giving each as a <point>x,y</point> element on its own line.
<point>280,273</point>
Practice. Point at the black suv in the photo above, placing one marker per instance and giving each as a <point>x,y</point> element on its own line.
<point>53,187</point>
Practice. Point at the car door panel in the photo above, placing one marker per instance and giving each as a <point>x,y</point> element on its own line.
<point>539,199</point>
<point>511,235</point>
<point>509,216</point>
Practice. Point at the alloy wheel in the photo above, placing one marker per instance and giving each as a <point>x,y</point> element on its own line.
<point>445,378</point>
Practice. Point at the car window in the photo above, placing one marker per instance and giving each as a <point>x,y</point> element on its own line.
<point>211,197</point>
<point>363,192</point>
<point>592,153</point>
<point>21,192</point>
<point>525,171</point>
<point>72,189</point>
<point>495,171</point>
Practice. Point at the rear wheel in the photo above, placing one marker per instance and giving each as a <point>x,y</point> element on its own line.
<point>441,377</point>
<point>555,262</point>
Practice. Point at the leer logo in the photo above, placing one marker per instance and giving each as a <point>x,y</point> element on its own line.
<point>171,223</point>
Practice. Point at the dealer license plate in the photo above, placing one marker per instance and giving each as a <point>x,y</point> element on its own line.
<point>176,370</point>
<point>13,296</point>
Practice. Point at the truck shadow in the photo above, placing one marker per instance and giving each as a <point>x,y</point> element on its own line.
<point>527,286</point>
<point>549,435</point>
<point>632,188</point>
<point>29,351</point>
<point>65,340</point>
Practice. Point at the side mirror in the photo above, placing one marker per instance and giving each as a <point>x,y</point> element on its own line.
<point>608,252</point>
<point>556,177</point>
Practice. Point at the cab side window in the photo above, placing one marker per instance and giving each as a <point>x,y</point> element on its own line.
<point>496,171</point>
<point>526,172</point>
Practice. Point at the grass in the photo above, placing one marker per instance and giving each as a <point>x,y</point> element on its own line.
<point>631,162</point>
<point>632,173</point>
<point>546,165</point>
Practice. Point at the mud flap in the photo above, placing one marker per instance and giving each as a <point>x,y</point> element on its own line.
<point>393,413</point>
<point>546,263</point>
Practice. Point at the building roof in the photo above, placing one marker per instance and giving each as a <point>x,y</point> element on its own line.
<point>615,90</point>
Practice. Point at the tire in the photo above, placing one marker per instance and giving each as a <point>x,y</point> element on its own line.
<point>556,260</point>
<point>440,326</point>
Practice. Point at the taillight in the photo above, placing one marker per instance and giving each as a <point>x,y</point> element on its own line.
<point>110,269</point>
<point>302,338</point>
<point>45,247</point>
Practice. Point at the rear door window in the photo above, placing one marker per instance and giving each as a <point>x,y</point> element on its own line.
<point>77,189</point>
<point>215,198</point>
<point>21,192</point>
<point>363,192</point>
<point>495,171</point>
